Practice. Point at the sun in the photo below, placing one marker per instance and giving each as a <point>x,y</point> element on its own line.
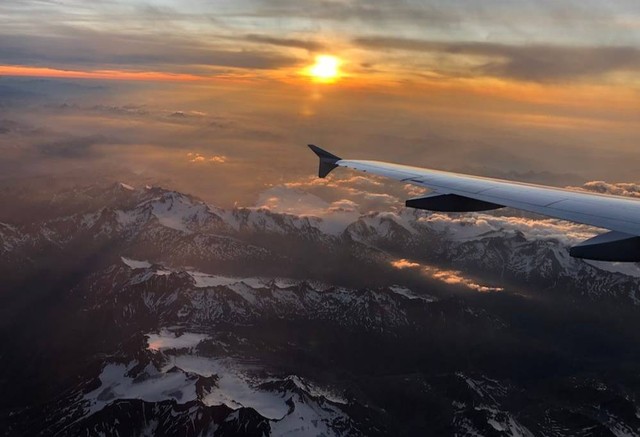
<point>326,68</point>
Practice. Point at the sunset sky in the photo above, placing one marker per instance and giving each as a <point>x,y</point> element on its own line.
<point>201,95</point>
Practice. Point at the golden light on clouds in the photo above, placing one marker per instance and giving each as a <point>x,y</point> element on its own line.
<point>404,264</point>
<point>451,277</point>
<point>325,69</point>
<point>198,158</point>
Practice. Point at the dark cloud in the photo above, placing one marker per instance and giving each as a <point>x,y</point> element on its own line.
<point>136,110</point>
<point>80,147</point>
<point>437,14</point>
<point>524,62</point>
<point>23,92</point>
<point>100,50</point>
<point>12,94</point>
<point>8,126</point>
<point>541,20</point>
<point>379,11</point>
<point>14,129</point>
<point>192,38</point>
<point>309,45</point>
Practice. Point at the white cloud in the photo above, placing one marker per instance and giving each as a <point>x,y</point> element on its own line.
<point>334,216</point>
<point>349,198</point>
<point>368,193</point>
<point>470,226</point>
<point>619,189</point>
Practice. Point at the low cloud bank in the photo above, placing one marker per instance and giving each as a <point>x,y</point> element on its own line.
<point>627,189</point>
<point>345,200</point>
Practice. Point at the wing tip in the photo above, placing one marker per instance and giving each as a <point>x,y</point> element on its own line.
<point>323,154</point>
<point>327,160</point>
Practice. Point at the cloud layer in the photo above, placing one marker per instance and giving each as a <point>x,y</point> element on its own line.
<point>518,40</point>
<point>341,201</point>
<point>534,62</point>
<point>543,91</point>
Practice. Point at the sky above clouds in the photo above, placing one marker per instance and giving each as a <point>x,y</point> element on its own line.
<point>211,97</point>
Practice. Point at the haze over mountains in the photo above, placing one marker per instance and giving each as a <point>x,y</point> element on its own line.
<point>141,308</point>
<point>198,137</point>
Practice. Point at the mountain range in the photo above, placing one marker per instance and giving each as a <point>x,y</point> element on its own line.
<point>145,311</point>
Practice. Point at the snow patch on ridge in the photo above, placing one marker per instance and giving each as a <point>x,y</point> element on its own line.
<point>233,388</point>
<point>126,218</point>
<point>126,187</point>
<point>409,294</point>
<point>154,386</point>
<point>298,410</point>
<point>204,280</point>
<point>134,264</point>
<point>627,269</point>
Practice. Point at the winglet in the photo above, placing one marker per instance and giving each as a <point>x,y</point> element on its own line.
<point>610,246</point>
<point>327,160</point>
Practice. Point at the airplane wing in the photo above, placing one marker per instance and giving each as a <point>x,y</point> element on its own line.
<point>453,192</point>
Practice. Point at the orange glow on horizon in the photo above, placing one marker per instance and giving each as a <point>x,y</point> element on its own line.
<point>25,71</point>
<point>440,90</point>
